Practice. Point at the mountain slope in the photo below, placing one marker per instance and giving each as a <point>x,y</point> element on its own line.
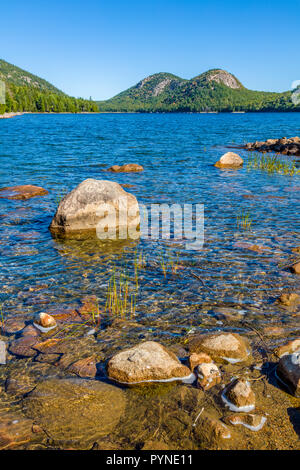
<point>215,90</point>
<point>27,92</point>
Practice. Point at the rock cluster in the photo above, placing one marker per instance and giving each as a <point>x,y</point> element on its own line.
<point>285,146</point>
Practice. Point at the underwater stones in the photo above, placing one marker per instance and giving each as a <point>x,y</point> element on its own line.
<point>288,348</point>
<point>198,358</point>
<point>146,362</point>
<point>289,299</point>
<point>288,371</point>
<point>208,375</point>
<point>295,268</point>
<point>230,160</point>
<point>155,445</point>
<point>23,346</point>
<point>19,385</point>
<point>13,326</point>
<point>249,421</point>
<point>127,168</point>
<point>15,430</point>
<point>210,429</point>
<point>45,323</point>
<point>222,347</point>
<point>22,192</point>
<point>84,367</point>
<point>75,412</point>
<point>93,206</point>
<point>239,396</point>
<point>2,352</point>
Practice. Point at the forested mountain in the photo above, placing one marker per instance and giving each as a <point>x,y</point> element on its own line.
<point>27,92</point>
<point>215,90</point>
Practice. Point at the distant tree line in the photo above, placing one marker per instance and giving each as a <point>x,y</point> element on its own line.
<point>32,99</point>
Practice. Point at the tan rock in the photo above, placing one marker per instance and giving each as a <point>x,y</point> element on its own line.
<point>15,430</point>
<point>288,371</point>
<point>249,421</point>
<point>288,348</point>
<point>84,367</point>
<point>22,192</point>
<point>289,299</point>
<point>296,249</point>
<point>296,268</point>
<point>13,326</point>
<point>100,207</point>
<point>146,362</point>
<point>45,322</point>
<point>208,376</point>
<point>223,347</point>
<point>230,160</point>
<point>239,396</point>
<point>127,168</point>
<point>24,346</point>
<point>198,358</point>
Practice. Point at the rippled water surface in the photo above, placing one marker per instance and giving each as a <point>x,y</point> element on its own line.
<point>231,284</point>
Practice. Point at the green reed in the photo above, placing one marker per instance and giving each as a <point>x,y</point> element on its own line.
<point>168,263</point>
<point>120,302</point>
<point>244,221</point>
<point>2,318</point>
<point>272,164</point>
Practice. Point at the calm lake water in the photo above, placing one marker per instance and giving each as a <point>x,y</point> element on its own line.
<point>231,284</point>
<point>177,152</point>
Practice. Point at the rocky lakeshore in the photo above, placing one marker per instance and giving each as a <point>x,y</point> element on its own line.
<point>284,146</point>
<point>10,115</point>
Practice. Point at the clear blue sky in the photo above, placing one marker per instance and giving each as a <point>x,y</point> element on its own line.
<point>101,47</point>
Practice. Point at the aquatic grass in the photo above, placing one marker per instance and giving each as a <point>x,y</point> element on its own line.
<point>2,318</point>
<point>244,221</point>
<point>271,164</point>
<point>120,302</point>
<point>168,263</point>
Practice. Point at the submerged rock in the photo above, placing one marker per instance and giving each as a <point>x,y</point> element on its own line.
<point>208,375</point>
<point>249,421</point>
<point>288,371</point>
<point>22,192</point>
<point>224,347</point>
<point>230,160</point>
<point>147,362</point>
<point>239,396</point>
<point>13,326</point>
<point>75,412</point>
<point>84,367</point>
<point>127,168</point>
<point>15,430</point>
<point>24,346</point>
<point>93,206</point>
<point>296,268</point>
<point>210,430</point>
<point>289,299</point>
<point>288,348</point>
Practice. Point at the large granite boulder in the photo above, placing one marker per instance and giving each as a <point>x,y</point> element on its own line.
<point>98,206</point>
<point>230,160</point>
<point>75,412</point>
<point>147,362</point>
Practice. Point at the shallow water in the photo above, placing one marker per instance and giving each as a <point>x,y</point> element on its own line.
<point>57,152</point>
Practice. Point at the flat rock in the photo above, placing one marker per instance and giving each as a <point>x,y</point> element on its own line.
<point>230,160</point>
<point>296,268</point>
<point>94,205</point>
<point>75,412</point>
<point>13,326</point>
<point>146,362</point>
<point>239,396</point>
<point>222,347</point>
<point>22,192</point>
<point>249,421</point>
<point>84,367</point>
<point>15,430</point>
<point>23,346</point>
<point>127,168</point>
<point>288,371</point>
<point>19,385</point>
